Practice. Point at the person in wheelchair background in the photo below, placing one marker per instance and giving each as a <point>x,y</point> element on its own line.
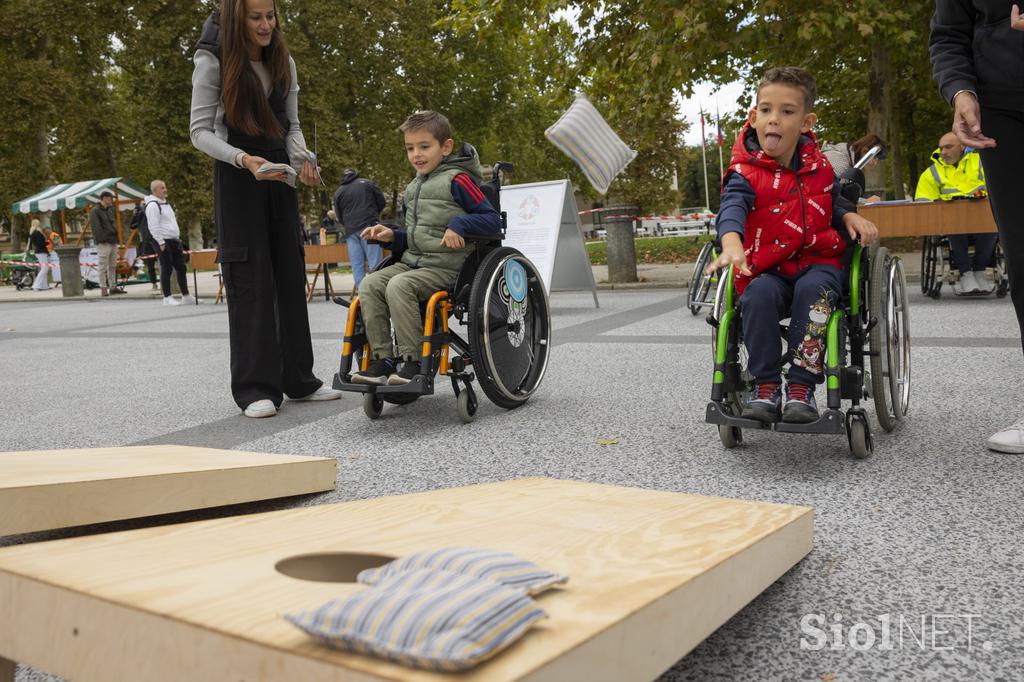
<point>956,173</point>
<point>780,226</point>
<point>443,205</point>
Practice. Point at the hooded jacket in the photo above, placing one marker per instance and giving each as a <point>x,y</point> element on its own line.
<point>357,203</point>
<point>973,48</point>
<point>965,178</point>
<point>790,226</point>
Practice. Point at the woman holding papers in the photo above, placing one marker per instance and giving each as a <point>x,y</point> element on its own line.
<point>245,116</point>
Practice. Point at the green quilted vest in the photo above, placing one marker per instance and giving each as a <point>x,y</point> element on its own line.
<point>429,207</point>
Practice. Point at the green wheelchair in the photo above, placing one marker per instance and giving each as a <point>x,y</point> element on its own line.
<point>867,356</point>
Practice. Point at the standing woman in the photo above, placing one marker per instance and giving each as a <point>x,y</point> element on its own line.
<point>977,50</point>
<point>37,242</point>
<point>244,114</point>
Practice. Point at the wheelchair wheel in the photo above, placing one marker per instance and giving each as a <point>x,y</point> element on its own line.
<point>700,283</point>
<point>373,405</point>
<point>466,406</point>
<point>859,434</point>
<point>999,264</point>
<point>739,384</point>
<point>730,436</point>
<point>509,327</point>
<point>889,339</point>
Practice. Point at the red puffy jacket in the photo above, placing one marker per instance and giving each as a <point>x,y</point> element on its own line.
<point>790,226</point>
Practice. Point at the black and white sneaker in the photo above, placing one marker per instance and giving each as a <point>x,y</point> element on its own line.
<point>410,369</point>
<point>377,373</point>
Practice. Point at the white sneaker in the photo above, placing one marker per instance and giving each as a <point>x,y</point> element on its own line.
<point>984,282</point>
<point>322,393</point>
<point>969,283</point>
<point>261,409</point>
<point>1010,440</point>
<point>188,299</point>
<point>170,300</point>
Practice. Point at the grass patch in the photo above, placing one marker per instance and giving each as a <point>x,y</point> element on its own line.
<point>678,250</point>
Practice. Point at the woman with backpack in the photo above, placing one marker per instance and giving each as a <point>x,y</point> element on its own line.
<point>244,115</point>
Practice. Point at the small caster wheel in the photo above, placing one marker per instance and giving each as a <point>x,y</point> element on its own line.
<point>458,364</point>
<point>730,436</point>
<point>467,405</point>
<point>861,443</point>
<point>373,404</point>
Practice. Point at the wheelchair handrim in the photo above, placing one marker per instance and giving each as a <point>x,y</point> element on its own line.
<point>539,342</point>
<point>898,340</point>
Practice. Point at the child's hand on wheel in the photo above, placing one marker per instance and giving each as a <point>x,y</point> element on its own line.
<point>452,239</point>
<point>732,254</point>
<point>378,233</point>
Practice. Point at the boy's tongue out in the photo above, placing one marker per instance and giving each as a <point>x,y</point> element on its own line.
<point>772,141</point>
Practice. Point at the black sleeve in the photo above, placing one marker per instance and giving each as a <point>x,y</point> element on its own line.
<point>378,198</point>
<point>950,45</point>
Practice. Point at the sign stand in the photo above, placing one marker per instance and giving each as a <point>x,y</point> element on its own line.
<point>544,223</point>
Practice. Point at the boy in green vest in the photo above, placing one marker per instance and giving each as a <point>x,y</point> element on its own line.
<point>442,205</point>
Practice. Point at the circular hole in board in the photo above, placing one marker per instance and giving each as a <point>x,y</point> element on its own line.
<point>330,567</point>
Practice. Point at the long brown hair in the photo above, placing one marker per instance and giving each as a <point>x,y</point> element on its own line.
<point>245,105</point>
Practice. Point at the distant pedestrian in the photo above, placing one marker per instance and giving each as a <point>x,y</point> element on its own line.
<point>52,242</point>
<point>357,205</point>
<point>163,226</point>
<point>37,242</point>
<point>102,222</point>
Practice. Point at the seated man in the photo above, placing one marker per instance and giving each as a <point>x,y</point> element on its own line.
<point>957,173</point>
<point>444,203</point>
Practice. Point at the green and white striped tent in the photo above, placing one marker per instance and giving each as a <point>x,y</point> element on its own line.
<point>78,194</point>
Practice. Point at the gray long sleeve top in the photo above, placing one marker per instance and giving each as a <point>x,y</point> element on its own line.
<point>207,129</point>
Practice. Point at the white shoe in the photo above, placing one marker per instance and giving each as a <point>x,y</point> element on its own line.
<point>188,299</point>
<point>322,393</point>
<point>1010,440</point>
<point>969,283</point>
<point>170,300</point>
<point>261,409</point>
<point>984,282</point>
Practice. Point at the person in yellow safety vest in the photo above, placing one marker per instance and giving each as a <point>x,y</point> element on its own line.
<point>52,242</point>
<point>956,173</point>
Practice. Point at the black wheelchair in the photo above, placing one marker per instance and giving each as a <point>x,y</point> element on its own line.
<point>937,268</point>
<point>500,297</point>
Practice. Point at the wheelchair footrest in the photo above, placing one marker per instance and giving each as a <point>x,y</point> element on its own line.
<point>341,385</point>
<point>721,415</point>
<point>830,421</point>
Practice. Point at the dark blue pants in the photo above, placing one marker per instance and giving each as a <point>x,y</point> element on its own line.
<point>808,300</point>
<point>984,250</point>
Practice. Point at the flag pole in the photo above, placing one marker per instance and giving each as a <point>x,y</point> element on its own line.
<point>721,140</point>
<point>704,159</point>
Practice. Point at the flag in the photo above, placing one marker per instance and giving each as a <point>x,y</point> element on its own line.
<point>702,137</point>
<point>718,127</point>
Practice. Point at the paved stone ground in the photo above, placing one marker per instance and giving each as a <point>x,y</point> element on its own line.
<point>930,526</point>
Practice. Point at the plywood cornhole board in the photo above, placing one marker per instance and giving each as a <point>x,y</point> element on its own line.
<point>48,489</point>
<point>651,575</point>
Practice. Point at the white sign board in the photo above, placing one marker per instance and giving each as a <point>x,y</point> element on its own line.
<point>89,261</point>
<point>544,224</point>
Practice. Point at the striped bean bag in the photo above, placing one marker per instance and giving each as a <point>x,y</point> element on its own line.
<point>501,567</point>
<point>584,136</point>
<point>435,620</point>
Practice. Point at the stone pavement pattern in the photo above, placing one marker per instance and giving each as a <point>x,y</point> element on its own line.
<point>931,524</point>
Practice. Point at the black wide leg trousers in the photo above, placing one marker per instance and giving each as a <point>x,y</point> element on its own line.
<point>263,265</point>
<point>1004,176</point>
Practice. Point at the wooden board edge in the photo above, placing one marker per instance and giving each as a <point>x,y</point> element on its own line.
<point>649,642</point>
<point>59,505</point>
<point>87,639</point>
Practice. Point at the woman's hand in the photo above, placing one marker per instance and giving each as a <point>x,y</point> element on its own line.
<point>253,163</point>
<point>1016,20</point>
<point>967,121</point>
<point>310,174</point>
<point>452,240</point>
<point>378,233</point>
<point>859,226</point>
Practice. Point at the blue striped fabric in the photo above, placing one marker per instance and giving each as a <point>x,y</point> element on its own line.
<point>584,136</point>
<point>501,567</point>
<point>436,620</point>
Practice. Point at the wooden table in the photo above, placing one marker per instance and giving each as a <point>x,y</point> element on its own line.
<point>652,574</point>
<point>926,218</point>
<point>48,489</point>
<point>324,254</point>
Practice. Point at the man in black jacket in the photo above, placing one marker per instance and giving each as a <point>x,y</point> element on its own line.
<point>977,50</point>
<point>357,205</point>
<point>103,223</point>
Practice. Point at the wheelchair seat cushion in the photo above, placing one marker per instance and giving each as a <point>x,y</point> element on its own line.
<point>584,136</point>
<point>430,619</point>
<point>500,567</point>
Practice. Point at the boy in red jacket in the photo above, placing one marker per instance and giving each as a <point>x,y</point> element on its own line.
<point>779,225</point>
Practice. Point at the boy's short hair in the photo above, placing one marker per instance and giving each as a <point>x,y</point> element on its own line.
<point>795,77</point>
<point>434,123</point>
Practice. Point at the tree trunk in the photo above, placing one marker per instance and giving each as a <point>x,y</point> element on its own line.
<point>195,234</point>
<point>896,153</point>
<point>878,110</point>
